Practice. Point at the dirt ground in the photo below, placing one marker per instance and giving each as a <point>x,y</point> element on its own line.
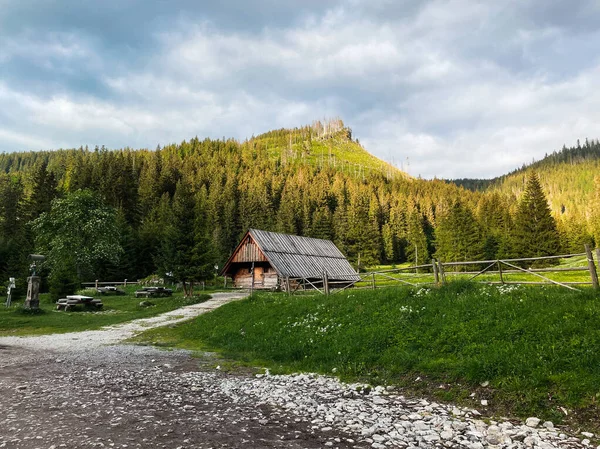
<point>131,396</point>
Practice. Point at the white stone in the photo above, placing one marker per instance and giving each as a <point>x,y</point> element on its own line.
<point>446,434</point>
<point>532,422</point>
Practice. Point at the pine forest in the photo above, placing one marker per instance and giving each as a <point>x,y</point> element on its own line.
<point>180,210</point>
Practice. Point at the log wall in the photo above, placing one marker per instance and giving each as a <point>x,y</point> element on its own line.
<point>268,279</point>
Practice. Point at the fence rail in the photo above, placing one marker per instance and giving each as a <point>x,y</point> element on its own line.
<point>97,284</point>
<point>437,272</point>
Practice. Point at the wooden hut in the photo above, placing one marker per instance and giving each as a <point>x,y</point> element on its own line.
<point>266,260</point>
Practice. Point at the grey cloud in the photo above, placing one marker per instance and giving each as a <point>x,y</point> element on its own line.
<point>460,88</point>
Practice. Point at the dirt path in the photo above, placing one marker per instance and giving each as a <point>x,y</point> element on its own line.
<point>114,334</point>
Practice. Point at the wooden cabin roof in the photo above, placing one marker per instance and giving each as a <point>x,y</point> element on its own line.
<point>295,256</point>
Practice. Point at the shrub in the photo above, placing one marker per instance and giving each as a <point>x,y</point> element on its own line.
<point>62,282</point>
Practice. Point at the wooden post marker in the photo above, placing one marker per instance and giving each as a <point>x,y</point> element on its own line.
<point>252,285</point>
<point>441,270</point>
<point>436,273</point>
<point>591,266</point>
<point>500,272</point>
<point>325,283</point>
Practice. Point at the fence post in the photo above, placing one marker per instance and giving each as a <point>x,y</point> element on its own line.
<point>441,270</point>
<point>125,283</point>
<point>373,281</point>
<point>436,274</point>
<point>325,283</point>
<point>225,281</point>
<point>96,284</point>
<point>287,286</point>
<point>500,272</point>
<point>591,266</point>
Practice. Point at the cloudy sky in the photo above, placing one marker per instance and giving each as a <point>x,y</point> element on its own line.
<point>450,88</point>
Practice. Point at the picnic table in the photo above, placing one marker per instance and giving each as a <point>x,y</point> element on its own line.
<point>153,292</point>
<point>110,289</point>
<point>73,300</point>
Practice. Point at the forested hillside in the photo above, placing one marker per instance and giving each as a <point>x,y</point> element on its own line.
<point>181,209</point>
<point>570,179</point>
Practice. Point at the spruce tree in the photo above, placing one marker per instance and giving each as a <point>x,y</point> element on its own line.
<point>535,232</point>
<point>458,236</point>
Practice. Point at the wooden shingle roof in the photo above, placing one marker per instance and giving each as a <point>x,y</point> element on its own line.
<point>301,257</point>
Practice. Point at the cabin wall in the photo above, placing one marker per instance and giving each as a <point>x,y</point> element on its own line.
<point>265,277</point>
<point>249,252</point>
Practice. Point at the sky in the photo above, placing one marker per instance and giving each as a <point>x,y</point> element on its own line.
<point>445,89</point>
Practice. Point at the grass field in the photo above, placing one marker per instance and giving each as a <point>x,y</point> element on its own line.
<point>538,347</point>
<point>509,275</point>
<point>117,309</point>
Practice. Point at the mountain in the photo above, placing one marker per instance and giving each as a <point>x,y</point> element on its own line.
<point>315,180</point>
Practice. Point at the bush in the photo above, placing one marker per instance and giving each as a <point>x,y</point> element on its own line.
<point>62,282</point>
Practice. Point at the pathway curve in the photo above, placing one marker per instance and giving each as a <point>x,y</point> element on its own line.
<point>119,332</point>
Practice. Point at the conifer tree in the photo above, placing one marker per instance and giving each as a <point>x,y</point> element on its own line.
<point>535,233</point>
<point>417,247</point>
<point>458,236</point>
<point>595,212</point>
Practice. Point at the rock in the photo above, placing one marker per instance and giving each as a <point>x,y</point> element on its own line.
<point>484,402</point>
<point>446,434</point>
<point>588,434</point>
<point>532,422</point>
<point>548,425</point>
<point>494,435</point>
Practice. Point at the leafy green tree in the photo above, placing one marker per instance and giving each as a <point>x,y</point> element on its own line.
<point>78,233</point>
<point>535,233</point>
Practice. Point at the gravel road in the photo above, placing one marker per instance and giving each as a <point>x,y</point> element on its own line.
<point>85,390</point>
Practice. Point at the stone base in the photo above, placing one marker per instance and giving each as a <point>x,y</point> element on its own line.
<point>33,293</point>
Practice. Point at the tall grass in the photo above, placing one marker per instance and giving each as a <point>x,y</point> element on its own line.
<point>539,348</point>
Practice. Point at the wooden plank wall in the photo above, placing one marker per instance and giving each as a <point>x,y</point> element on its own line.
<point>243,279</point>
<point>249,252</point>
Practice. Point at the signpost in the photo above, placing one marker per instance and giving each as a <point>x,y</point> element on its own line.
<point>11,285</point>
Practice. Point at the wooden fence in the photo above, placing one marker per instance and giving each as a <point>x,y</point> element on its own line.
<point>98,283</point>
<point>438,272</point>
